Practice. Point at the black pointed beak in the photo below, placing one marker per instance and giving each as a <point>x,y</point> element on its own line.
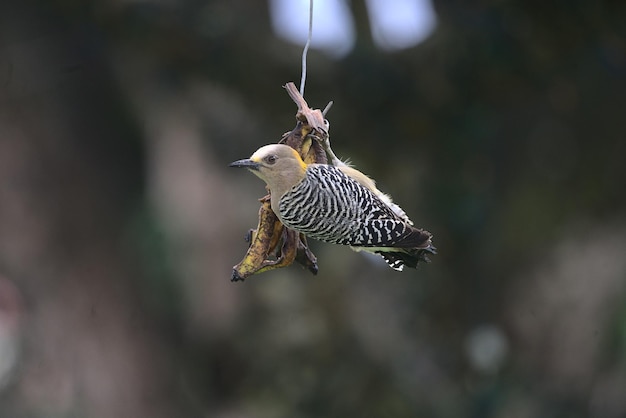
<point>245,163</point>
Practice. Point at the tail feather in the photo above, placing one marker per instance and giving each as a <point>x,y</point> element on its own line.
<point>416,238</point>
<point>397,260</point>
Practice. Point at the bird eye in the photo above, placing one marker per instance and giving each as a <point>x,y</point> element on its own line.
<point>270,159</point>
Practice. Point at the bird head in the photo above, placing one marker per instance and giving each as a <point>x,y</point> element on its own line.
<point>280,166</point>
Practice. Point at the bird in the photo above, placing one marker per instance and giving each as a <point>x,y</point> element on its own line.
<point>338,205</point>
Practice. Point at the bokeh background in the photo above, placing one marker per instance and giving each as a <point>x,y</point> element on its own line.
<point>502,131</point>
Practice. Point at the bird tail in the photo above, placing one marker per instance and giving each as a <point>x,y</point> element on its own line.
<point>410,258</point>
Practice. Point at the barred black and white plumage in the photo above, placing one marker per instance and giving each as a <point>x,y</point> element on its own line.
<point>339,206</point>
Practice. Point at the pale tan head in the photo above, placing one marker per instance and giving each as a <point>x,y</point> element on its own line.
<point>280,166</point>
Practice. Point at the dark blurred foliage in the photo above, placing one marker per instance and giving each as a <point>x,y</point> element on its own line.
<point>503,134</point>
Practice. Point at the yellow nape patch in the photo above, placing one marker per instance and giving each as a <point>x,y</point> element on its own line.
<point>303,165</point>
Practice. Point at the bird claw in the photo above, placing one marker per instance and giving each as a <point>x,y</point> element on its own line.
<point>305,257</point>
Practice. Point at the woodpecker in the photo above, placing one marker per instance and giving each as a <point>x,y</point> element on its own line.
<point>338,205</point>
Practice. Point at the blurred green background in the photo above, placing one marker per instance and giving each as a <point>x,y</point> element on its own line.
<point>503,133</point>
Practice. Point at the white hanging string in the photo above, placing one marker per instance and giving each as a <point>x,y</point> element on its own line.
<point>306,48</point>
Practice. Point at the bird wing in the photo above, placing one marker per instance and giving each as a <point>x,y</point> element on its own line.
<point>390,232</point>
